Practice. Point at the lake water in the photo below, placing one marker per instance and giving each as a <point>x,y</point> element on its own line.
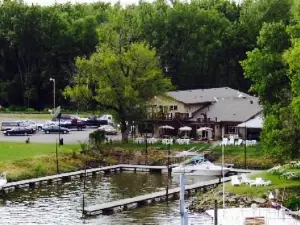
<point>61,203</point>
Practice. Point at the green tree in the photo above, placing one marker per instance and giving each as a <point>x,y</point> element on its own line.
<point>266,69</point>
<point>124,78</point>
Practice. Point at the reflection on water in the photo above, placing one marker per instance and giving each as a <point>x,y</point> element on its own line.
<point>61,203</point>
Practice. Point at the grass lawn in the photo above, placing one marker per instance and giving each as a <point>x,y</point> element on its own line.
<point>25,116</point>
<point>277,183</point>
<point>10,151</point>
<point>239,151</point>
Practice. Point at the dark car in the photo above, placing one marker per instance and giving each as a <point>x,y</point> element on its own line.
<point>71,122</point>
<point>55,129</point>
<point>94,121</point>
<point>18,131</point>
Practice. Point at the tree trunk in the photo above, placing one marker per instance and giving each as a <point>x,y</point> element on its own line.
<point>125,129</point>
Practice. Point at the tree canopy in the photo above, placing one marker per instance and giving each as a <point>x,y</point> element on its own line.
<point>198,44</point>
<point>122,76</point>
<point>250,45</point>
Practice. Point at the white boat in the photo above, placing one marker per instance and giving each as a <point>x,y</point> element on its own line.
<point>258,216</point>
<point>3,180</point>
<point>198,165</point>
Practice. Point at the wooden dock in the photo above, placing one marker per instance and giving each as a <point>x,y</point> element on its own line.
<point>11,186</point>
<point>110,207</point>
<point>31,183</point>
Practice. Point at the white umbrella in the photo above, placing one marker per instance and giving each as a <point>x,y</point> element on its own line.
<point>186,128</point>
<point>166,127</point>
<point>204,129</point>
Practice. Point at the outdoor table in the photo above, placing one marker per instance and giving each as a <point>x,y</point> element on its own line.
<point>139,140</point>
<point>183,141</point>
<point>167,141</point>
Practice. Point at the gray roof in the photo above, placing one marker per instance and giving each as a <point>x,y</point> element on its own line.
<point>235,109</point>
<point>204,95</point>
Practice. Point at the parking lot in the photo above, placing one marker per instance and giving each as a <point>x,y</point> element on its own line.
<point>74,136</point>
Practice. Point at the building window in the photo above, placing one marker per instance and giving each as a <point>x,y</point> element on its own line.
<point>171,107</point>
<point>175,107</point>
<point>231,130</point>
<point>161,108</point>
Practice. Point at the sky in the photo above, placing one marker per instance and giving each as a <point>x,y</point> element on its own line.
<point>50,2</point>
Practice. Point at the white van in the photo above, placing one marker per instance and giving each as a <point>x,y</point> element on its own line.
<point>7,125</point>
<point>108,118</point>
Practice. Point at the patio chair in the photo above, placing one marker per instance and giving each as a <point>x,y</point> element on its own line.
<point>235,181</point>
<point>245,179</point>
<point>231,141</point>
<point>239,142</point>
<point>224,141</point>
<point>260,182</point>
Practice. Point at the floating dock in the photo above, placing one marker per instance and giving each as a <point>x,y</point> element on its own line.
<point>31,183</point>
<point>123,204</point>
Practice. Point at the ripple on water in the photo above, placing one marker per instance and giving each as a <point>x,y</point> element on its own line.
<point>62,203</point>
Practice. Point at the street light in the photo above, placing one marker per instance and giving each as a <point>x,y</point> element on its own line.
<point>52,79</point>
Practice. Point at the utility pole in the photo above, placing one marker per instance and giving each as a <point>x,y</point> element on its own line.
<point>53,80</point>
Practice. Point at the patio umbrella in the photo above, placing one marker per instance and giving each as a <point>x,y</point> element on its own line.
<point>167,127</point>
<point>204,129</point>
<point>186,128</point>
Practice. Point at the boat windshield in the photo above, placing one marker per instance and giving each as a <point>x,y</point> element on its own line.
<point>194,160</point>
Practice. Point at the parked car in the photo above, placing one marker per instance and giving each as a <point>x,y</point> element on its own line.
<point>7,125</point>
<point>55,129</point>
<point>108,129</point>
<point>94,121</point>
<point>71,122</point>
<point>32,124</point>
<point>19,131</point>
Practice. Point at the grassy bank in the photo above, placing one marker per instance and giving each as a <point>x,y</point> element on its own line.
<point>22,161</point>
<point>278,182</point>
<point>255,157</point>
<point>12,151</point>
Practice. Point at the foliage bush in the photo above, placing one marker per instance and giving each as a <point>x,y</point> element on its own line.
<point>293,203</point>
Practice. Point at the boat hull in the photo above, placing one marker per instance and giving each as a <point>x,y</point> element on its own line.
<point>201,172</point>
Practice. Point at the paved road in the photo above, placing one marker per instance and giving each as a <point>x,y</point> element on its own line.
<point>40,137</point>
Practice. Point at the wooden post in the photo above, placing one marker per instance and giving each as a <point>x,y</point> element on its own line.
<point>56,151</point>
<point>169,175</point>
<point>84,183</point>
<point>146,150</point>
<point>216,213</point>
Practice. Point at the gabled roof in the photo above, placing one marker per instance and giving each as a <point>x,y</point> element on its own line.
<point>233,109</point>
<point>256,122</point>
<point>204,95</point>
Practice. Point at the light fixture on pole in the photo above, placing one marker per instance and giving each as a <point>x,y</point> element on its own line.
<point>53,80</point>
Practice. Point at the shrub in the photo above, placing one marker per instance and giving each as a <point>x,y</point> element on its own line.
<point>293,203</point>
<point>40,170</point>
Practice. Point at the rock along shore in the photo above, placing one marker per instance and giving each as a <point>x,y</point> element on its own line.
<point>206,200</point>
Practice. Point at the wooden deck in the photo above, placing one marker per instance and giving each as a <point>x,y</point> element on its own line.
<point>106,170</point>
<point>67,176</point>
<point>109,207</point>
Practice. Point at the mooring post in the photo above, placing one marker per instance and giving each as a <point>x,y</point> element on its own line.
<point>169,174</point>
<point>216,213</point>
<point>56,151</point>
<point>84,183</point>
<point>183,214</point>
<point>146,150</point>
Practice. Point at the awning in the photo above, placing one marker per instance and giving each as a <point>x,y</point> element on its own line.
<point>167,127</point>
<point>256,122</point>
<point>204,129</point>
<point>185,128</point>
